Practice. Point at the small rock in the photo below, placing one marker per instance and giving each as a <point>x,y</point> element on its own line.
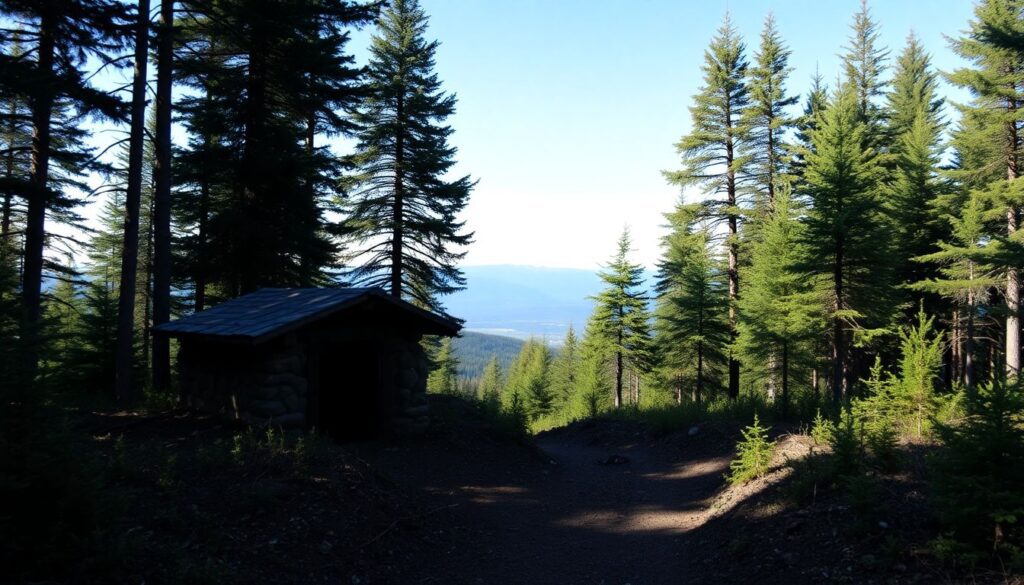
<point>614,460</point>
<point>900,568</point>
<point>325,547</point>
<point>693,431</point>
<point>883,524</point>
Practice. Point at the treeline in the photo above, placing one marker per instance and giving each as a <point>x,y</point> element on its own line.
<point>826,223</point>
<point>219,169</point>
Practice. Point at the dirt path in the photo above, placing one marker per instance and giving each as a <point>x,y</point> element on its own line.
<point>583,519</point>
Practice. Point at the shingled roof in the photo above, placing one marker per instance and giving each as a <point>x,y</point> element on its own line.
<point>269,312</point>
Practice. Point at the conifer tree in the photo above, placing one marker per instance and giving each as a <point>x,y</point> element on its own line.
<point>565,370</point>
<point>914,114</point>
<point>864,64</point>
<point>845,236</point>
<point>965,274</point>
<point>712,152</point>
<point>61,36</point>
<point>691,318</point>
<point>265,70</point>
<point>491,381</point>
<point>443,379</point>
<point>161,214</point>
<point>778,311</point>
<point>994,45</point>
<point>594,384</point>
<point>526,390</point>
<point>621,316</point>
<point>403,211</point>
<point>766,117</point>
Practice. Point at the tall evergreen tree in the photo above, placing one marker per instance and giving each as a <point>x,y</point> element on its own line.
<point>621,316</point>
<point>864,65</point>
<point>712,152</point>
<point>845,236</point>
<point>565,370</point>
<point>444,378</point>
<point>527,389</point>
<point>778,311</point>
<point>965,274</point>
<point>915,128</point>
<point>61,36</point>
<point>491,381</point>
<point>161,220</point>
<point>691,318</point>
<point>265,69</point>
<point>994,45</point>
<point>403,211</point>
<point>766,118</point>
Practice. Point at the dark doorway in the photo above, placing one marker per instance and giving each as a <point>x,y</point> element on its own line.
<point>352,404</point>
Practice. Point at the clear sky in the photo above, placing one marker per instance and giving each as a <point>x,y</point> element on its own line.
<point>568,109</point>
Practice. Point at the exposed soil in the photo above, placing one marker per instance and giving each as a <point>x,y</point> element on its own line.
<point>597,502</point>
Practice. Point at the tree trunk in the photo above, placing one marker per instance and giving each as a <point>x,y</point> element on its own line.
<point>123,386</point>
<point>814,382</point>
<point>734,275</point>
<point>204,212</point>
<point>9,165</point>
<point>397,211</point>
<point>161,218</point>
<point>839,366</point>
<point>698,392</point>
<point>785,378</point>
<point>147,306</point>
<point>618,379</point>
<point>969,378</point>
<point>35,216</point>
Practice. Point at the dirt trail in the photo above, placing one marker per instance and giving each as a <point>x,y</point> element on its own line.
<point>584,519</point>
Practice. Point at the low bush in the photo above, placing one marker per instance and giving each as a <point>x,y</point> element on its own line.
<point>753,454</point>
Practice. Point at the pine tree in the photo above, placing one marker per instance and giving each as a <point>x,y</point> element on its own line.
<point>594,385</point>
<point>965,274</point>
<point>161,214</point>
<point>620,316</point>
<point>444,378</point>
<point>526,390</point>
<point>766,118</point>
<point>124,387</point>
<point>403,211</point>
<point>712,152</point>
<point>491,382</point>
<point>778,312</point>
<point>994,45</point>
<point>864,64</point>
<point>271,77</point>
<point>915,127</point>
<point>62,36</point>
<point>691,318</point>
<point>845,235</point>
<point>565,370</point>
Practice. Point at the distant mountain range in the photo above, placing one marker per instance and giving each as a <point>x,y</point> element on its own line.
<point>524,301</point>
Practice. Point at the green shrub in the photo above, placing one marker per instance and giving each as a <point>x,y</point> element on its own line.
<point>979,471</point>
<point>822,429</point>
<point>847,443</point>
<point>753,454</point>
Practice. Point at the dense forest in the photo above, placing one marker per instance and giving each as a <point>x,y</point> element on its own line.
<point>852,263</point>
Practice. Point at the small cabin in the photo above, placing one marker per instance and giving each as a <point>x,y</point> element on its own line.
<point>344,361</point>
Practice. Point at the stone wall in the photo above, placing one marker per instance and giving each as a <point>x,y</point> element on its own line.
<point>408,366</point>
<point>269,386</point>
<point>263,387</point>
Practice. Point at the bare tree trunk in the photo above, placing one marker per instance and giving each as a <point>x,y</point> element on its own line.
<point>785,378</point>
<point>147,306</point>
<point>9,165</point>
<point>38,199</point>
<point>734,274</point>
<point>161,218</point>
<point>968,351</point>
<point>814,381</point>
<point>618,379</point>
<point>201,261</point>
<point>698,392</point>
<point>397,207</point>
<point>839,357</point>
<point>123,386</point>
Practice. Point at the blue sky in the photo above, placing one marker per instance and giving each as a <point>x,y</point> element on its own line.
<point>569,109</point>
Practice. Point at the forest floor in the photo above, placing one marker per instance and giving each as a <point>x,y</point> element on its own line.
<point>601,501</point>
